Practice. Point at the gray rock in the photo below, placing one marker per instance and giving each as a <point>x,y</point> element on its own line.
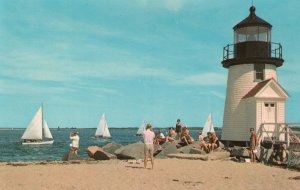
<point>218,155</point>
<point>167,148</point>
<point>131,151</point>
<point>188,156</point>
<point>221,145</point>
<point>294,160</point>
<point>197,151</point>
<point>111,147</point>
<point>187,149</point>
<point>70,156</point>
<point>239,152</point>
<point>264,155</point>
<point>98,153</point>
<point>102,155</point>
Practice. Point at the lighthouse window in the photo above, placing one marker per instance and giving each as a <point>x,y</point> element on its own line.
<point>253,33</point>
<point>259,71</point>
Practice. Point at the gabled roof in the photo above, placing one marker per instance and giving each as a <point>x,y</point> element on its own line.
<point>262,85</point>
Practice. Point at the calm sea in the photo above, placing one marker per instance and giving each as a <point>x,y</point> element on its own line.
<point>11,148</point>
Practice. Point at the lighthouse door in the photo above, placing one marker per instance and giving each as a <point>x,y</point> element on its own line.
<point>269,117</point>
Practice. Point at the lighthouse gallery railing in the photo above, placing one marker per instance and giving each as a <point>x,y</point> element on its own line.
<point>275,51</point>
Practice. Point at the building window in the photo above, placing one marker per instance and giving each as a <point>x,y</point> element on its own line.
<point>259,71</point>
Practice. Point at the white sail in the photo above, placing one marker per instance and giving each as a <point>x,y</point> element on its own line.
<point>101,126</point>
<point>141,129</point>
<point>47,133</point>
<point>208,127</point>
<point>106,132</point>
<point>34,129</point>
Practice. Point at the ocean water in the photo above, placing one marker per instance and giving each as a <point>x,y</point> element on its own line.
<point>11,148</point>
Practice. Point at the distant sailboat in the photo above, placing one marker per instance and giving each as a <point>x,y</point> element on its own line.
<point>102,129</point>
<point>208,127</point>
<point>34,132</point>
<point>141,129</point>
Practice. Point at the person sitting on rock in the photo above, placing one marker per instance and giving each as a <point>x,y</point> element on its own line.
<point>200,137</point>
<point>206,145</point>
<point>171,136</point>
<point>214,141</point>
<point>185,137</point>
<point>159,137</point>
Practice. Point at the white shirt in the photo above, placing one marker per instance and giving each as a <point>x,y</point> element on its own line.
<point>148,137</point>
<point>75,141</point>
<point>161,135</point>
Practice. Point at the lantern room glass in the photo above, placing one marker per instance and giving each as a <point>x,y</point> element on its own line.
<point>252,33</point>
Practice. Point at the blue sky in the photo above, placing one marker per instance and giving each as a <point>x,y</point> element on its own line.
<point>153,60</point>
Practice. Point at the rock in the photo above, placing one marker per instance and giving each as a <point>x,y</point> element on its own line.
<point>221,145</point>
<point>111,147</point>
<point>187,149</point>
<point>131,151</point>
<point>189,156</point>
<point>218,155</point>
<point>102,155</point>
<point>197,151</point>
<point>70,156</point>
<point>264,155</point>
<point>167,148</point>
<point>91,150</point>
<point>294,160</point>
<point>239,152</point>
<point>98,153</point>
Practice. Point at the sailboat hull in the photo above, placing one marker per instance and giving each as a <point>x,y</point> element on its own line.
<point>38,143</point>
<point>102,137</point>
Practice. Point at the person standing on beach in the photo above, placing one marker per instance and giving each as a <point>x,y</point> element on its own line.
<point>178,128</point>
<point>253,145</point>
<point>149,147</point>
<point>75,142</point>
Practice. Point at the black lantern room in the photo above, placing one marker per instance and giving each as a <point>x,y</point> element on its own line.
<point>252,44</point>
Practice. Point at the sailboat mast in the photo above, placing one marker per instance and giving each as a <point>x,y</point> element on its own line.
<point>42,119</point>
<point>210,122</point>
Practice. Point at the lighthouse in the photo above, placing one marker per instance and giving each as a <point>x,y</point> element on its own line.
<point>254,95</point>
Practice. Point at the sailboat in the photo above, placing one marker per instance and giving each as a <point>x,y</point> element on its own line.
<point>141,129</point>
<point>102,129</point>
<point>33,135</point>
<point>208,127</point>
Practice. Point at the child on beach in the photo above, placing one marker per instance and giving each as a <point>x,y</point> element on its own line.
<point>75,142</point>
<point>149,148</point>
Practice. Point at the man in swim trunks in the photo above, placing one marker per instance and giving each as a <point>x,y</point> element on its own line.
<point>253,144</point>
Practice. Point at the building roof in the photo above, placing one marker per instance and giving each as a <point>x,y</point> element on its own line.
<point>261,85</point>
<point>252,20</point>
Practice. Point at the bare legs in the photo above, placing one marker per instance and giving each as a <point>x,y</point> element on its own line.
<point>252,155</point>
<point>146,158</point>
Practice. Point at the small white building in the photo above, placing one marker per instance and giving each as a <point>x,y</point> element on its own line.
<point>253,95</point>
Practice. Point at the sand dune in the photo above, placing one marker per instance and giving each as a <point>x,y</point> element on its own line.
<point>167,174</point>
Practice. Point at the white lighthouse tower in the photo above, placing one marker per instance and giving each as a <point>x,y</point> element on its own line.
<point>253,95</point>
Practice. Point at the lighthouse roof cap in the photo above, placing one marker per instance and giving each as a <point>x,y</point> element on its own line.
<point>252,20</point>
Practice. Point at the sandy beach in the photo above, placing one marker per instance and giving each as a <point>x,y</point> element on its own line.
<point>167,174</point>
